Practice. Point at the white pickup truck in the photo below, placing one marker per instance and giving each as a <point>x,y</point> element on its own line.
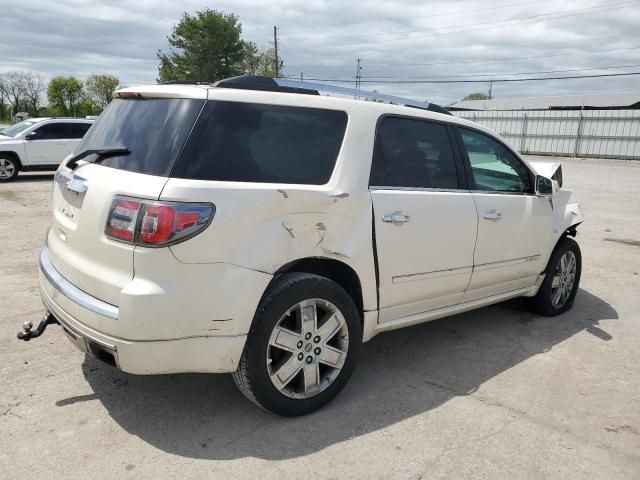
<point>39,144</point>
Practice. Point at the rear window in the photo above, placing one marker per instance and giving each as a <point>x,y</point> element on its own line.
<point>247,142</point>
<point>153,130</point>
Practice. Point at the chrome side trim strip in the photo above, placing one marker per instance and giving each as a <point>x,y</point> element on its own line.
<point>505,263</point>
<point>412,277</point>
<point>418,189</point>
<point>72,292</point>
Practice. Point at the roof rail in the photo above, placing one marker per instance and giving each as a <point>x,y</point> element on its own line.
<point>353,92</point>
<point>256,82</point>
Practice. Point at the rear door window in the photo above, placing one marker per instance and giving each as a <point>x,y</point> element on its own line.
<point>248,142</point>
<point>79,129</point>
<point>152,129</point>
<point>52,131</point>
<point>413,153</point>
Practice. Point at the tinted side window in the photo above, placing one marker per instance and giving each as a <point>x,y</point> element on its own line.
<point>247,142</point>
<point>52,131</point>
<point>79,129</point>
<point>413,153</point>
<point>494,167</point>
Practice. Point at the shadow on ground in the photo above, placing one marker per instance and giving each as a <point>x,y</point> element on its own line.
<point>34,177</point>
<point>399,375</point>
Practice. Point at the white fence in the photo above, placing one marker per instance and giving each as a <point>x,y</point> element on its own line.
<point>575,133</point>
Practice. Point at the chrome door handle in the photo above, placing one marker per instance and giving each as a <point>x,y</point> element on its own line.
<point>396,217</point>
<point>492,215</point>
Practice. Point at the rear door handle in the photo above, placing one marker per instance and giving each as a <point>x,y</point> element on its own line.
<point>492,215</point>
<point>396,217</point>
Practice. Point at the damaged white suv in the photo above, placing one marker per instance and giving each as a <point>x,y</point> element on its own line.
<point>256,227</point>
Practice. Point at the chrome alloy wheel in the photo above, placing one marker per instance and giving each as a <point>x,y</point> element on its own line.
<point>7,168</point>
<point>563,280</point>
<point>307,348</point>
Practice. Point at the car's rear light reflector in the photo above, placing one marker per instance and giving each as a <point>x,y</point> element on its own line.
<point>122,219</point>
<point>156,224</point>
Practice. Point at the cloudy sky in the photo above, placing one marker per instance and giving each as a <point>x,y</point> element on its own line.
<point>397,41</point>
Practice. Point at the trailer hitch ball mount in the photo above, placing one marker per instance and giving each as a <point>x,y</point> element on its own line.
<point>28,332</point>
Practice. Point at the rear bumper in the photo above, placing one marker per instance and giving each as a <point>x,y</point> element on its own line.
<point>69,305</point>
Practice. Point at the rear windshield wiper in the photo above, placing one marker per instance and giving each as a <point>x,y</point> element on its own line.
<point>100,152</point>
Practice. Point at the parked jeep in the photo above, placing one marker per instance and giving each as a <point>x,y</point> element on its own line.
<point>39,144</point>
<point>258,228</point>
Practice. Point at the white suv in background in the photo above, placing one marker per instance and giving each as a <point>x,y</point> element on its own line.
<point>39,144</point>
<point>256,227</point>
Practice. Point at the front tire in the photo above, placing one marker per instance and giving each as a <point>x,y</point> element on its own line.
<point>302,347</point>
<point>8,169</point>
<point>561,282</point>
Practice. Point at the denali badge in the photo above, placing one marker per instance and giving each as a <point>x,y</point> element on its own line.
<point>71,182</point>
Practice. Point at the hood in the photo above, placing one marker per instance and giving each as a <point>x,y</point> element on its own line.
<point>4,139</point>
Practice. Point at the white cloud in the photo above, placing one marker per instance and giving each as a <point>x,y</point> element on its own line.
<point>324,38</point>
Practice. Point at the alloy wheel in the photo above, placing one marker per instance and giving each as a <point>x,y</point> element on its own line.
<point>563,280</point>
<point>307,348</point>
<point>7,168</point>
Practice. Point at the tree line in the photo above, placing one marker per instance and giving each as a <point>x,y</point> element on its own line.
<point>206,46</point>
<point>67,96</point>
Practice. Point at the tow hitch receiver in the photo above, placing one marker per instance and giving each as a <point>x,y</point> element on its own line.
<point>27,328</point>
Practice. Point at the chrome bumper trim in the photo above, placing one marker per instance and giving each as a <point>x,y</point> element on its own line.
<point>72,292</point>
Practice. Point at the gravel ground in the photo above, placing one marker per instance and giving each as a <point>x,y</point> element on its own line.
<point>495,393</point>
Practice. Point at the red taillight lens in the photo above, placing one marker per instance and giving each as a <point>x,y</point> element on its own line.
<point>123,216</point>
<point>159,224</point>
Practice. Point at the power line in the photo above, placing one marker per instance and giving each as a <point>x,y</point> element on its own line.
<point>511,47</point>
<point>494,80</point>
<point>529,19</point>
<point>498,60</point>
<point>581,69</point>
<point>458,12</point>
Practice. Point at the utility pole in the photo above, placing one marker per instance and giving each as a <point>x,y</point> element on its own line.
<point>358,69</point>
<point>490,88</point>
<point>275,44</point>
<point>301,77</point>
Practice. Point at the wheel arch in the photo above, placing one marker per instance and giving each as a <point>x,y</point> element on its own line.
<point>13,155</point>
<point>341,273</point>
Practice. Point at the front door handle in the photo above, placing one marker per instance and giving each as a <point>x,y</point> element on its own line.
<point>396,217</point>
<point>492,215</point>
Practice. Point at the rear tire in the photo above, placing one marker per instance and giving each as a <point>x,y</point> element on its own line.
<point>302,347</point>
<point>9,169</point>
<point>561,282</point>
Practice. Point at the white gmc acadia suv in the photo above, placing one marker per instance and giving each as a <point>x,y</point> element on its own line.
<point>254,226</point>
<point>39,144</point>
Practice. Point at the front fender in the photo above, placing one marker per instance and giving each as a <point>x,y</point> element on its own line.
<point>566,213</point>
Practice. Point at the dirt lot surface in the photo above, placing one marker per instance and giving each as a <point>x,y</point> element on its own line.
<point>495,393</point>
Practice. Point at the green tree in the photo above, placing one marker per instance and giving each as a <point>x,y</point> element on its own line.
<point>206,46</point>
<point>99,90</point>
<point>477,96</point>
<point>65,96</point>
<point>260,61</point>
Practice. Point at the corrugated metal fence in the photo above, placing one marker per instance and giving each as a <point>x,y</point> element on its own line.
<point>575,133</point>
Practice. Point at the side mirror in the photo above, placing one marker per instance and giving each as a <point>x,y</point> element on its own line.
<point>31,136</point>
<point>544,186</point>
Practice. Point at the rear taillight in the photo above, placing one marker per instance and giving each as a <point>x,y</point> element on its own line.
<point>156,224</point>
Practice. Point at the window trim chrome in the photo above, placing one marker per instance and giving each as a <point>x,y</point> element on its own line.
<point>72,292</point>
<point>419,189</point>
